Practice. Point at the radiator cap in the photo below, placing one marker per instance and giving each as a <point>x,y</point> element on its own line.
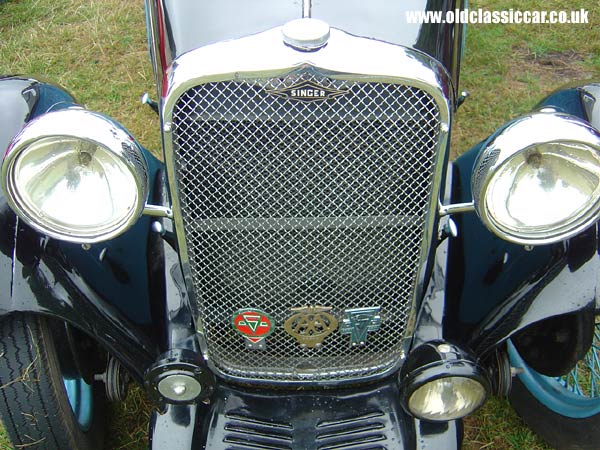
<point>306,34</point>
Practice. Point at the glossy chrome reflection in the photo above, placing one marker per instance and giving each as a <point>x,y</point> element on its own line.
<point>76,176</point>
<point>179,387</point>
<point>266,56</point>
<point>439,381</point>
<point>538,181</point>
<point>306,34</point>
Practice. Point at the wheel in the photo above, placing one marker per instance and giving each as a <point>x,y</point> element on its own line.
<point>564,411</point>
<point>45,401</point>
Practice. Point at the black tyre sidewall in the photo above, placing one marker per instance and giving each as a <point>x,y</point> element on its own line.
<point>561,432</point>
<point>34,403</point>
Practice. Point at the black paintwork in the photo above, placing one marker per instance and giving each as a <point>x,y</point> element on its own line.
<point>117,269</point>
<point>495,288</point>
<point>19,98</point>
<point>386,21</point>
<point>23,99</point>
<point>174,317</point>
<point>177,427</point>
<point>189,24</point>
<point>107,291</point>
<point>565,340</point>
<point>245,418</point>
<point>45,282</point>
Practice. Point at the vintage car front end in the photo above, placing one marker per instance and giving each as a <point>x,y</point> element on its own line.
<point>300,271</point>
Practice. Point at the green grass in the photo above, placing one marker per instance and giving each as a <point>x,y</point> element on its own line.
<point>96,49</point>
<point>509,68</point>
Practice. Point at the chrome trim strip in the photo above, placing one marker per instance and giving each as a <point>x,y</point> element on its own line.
<point>349,380</point>
<point>154,43</point>
<point>458,48</point>
<point>264,55</point>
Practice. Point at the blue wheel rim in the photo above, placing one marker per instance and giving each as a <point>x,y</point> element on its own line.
<point>575,395</point>
<point>81,399</point>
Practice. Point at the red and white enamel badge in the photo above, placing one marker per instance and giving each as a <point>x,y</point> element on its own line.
<point>253,324</point>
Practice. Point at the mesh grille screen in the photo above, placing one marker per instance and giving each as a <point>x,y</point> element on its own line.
<point>288,204</point>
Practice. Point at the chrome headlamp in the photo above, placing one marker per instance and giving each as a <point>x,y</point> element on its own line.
<point>441,382</point>
<point>538,181</point>
<point>75,175</point>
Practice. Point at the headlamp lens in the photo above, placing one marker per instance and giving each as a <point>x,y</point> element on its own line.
<point>74,184</point>
<point>447,398</point>
<point>76,175</point>
<point>544,188</point>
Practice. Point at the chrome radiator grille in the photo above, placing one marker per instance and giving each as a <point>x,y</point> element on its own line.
<point>288,204</point>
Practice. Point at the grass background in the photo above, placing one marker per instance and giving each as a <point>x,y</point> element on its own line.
<point>96,49</point>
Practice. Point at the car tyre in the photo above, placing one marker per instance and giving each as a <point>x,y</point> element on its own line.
<point>561,432</point>
<point>41,406</point>
<point>563,411</point>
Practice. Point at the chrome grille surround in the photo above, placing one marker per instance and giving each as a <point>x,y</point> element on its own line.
<point>281,204</point>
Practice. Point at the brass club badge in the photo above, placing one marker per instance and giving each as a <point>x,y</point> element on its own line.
<point>310,325</point>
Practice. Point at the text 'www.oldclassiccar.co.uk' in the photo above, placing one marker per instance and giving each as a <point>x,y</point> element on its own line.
<point>509,16</point>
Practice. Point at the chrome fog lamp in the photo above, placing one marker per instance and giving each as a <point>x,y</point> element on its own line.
<point>440,382</point>
<point>75,175</point>
<point>538,181</point>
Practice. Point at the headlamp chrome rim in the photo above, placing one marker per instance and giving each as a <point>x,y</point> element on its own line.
<point>439,360</point>
<point>419,382</point>
<point>102,133</point>
<point>530,133</point>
